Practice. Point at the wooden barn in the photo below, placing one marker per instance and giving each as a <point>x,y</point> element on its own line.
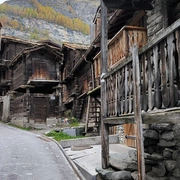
<point>30,76</point>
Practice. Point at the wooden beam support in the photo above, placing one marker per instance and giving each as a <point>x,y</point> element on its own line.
<point>104,48</point>
<point>87,114</point>
<point>171,115</point>
<point>137,113</point>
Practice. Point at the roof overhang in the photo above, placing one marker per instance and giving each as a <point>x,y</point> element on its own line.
<point>130,4</point>
<point>41,82</point>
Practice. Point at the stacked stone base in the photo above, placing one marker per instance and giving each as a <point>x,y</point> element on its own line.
<point>162,157</point>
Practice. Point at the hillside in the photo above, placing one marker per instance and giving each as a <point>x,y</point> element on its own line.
<point>58,20</point>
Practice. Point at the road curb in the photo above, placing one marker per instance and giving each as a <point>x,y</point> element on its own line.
<point>76,170</point>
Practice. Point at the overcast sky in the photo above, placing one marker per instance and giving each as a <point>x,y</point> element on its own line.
<point>1,1</point>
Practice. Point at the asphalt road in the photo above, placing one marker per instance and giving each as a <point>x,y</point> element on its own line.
<point>27,156</point>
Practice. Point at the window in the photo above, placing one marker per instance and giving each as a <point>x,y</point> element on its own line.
<point>40,70</point>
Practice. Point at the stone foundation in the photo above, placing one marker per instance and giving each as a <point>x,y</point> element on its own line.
<point>162,156</point>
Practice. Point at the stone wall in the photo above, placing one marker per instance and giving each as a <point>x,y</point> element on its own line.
<point>162,156</point>
<point>162,142</point>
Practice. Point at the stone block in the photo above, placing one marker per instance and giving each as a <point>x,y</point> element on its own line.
<point>150,142</point>
<point>159,170</point>
<point>167,153</point>
<point>21,122</point>
<point>170,164</point>
<point>70,131</point>
<point>155,156</point>
<point>149,177</point>
<point>151,134</point>
<point>122,161</point>
<point>50,121</point>
<point>135,175</point>
<point>109,174</point>
<point>168,136</point>
<point>162,127</point>
<point>164,143</point>
<point>119,175</point>
<point>176,172</point>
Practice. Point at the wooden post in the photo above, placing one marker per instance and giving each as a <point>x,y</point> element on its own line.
<point>28,103</point>
<point>87,114</point>
<point>0,34</point>
<point>137,112</point>
<point>104,48</point>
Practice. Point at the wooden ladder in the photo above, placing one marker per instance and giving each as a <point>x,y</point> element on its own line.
<point>93,115</point>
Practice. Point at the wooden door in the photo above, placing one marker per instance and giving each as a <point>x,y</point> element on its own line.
<point>40,109</point>
<point>129,133</point>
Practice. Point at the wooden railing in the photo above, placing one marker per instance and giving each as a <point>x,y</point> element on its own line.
<point>119,45</point>
<point>159,76</point>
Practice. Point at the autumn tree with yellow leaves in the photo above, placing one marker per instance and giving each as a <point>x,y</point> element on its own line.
<point>45,13</point>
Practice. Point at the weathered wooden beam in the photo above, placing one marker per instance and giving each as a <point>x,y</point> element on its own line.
<point>104,127</point>
<point>94,90</point>
<point>87,114</point>
<point>171,115</point>
<point>137,113</point>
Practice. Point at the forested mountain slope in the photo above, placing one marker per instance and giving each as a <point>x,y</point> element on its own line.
<point>58,20</point>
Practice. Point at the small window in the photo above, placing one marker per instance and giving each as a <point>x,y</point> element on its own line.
<point>40,70</point>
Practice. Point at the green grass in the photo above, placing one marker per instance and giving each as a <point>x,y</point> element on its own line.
<point>58,136</point>
<point>19,127</point>
<point>74,124</point>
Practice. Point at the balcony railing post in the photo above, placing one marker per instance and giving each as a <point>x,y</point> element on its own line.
<point>104,48</point>
<point>137,112</point>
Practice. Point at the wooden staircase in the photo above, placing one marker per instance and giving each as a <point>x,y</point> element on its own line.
<point>93,115</point>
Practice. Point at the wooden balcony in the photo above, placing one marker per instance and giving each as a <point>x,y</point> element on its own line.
<point>119,46</point>
<point>159,62</point>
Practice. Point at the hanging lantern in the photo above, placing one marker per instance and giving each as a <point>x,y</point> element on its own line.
<point>130,4</point>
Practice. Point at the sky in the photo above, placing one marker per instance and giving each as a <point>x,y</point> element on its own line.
<point>1,1</point>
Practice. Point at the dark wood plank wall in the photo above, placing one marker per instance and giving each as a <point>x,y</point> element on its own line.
<point>68,58</point>
<point>97,25</point>
<point>12,49</point>
<point>65,92</point>
<point>84,77</point>
<point>18,104</point>
<point>18,75</point>
<point>72,86</point>
<point>41,66</point>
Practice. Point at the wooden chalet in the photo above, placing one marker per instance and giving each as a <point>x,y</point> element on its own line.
<point>29,78</point>
<point>139,71</point>
<point>135,59</point>
<point>75,79</point>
